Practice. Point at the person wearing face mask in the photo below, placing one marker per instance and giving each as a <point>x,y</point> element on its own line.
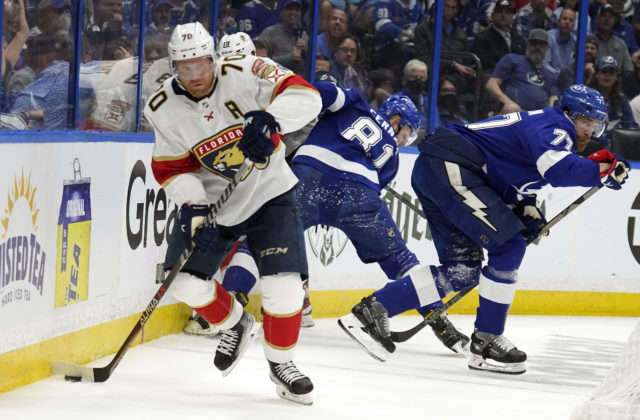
<point>451,110</point>
<point>414,86</point>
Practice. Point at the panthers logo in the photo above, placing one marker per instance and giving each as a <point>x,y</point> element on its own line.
<point>229,157</point>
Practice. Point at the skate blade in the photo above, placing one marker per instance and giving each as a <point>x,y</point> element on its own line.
<point>284,393</point>
<point>479,363</point>
<point>209,332</point>
<point>459,349</point>
<point>353,327</point>
<point>255,330</point>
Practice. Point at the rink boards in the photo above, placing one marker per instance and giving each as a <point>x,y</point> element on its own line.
<point>83,225</point>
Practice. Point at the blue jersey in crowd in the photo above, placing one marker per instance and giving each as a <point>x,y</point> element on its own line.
<point>522,83</point>
<point>253,17</point>
<point>351,140</point>
<point>524,151</point>
<point>391,17</point>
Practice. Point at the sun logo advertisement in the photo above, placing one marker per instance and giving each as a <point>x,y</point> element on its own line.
<point>74,240</point>
<point>22,257</point>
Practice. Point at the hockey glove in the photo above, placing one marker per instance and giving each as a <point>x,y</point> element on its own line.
<point>192,218</point>
<point>256,142</point>
<point>617,173</point>
<point>531,217</point>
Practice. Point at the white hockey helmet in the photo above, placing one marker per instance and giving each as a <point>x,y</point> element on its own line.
<point>238,43</point>
<point>190,40</point>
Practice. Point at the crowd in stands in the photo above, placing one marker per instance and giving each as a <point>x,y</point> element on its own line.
<point>497,56</point>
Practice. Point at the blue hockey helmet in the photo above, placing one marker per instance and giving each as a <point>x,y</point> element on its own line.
<point>582,100</point>
<point>404,106</point>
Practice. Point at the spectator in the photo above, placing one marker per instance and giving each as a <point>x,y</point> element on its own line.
<point>520,82</point>
<point>499,39</point>
<point>606,81</point>
<point>18,30</point>
<point>474,17</point>
<point>104,25</point>
<point>337,27</point>
<point>52,16</point>
<point>622,28</point>
<point>118,49</point>
<point>155,49</point>
<point>287,41</point>
<point>608,43</point>
<point>395,22</point>
<point>534,15</point>
<point>453,39</point>
<point>562,43</point>
<point>160,20</point>
<point>575,6</point>
<point>43,104</point>
<point>346,65</point>
<point>256,15</point>
<point>414,85</point>
<point>184,11</point>
<point>567,76</point>
<point>380,85</point>
<point>451,111</point>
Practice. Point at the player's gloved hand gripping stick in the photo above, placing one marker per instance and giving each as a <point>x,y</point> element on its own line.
<point>74,372</point>
<point>402,336</point>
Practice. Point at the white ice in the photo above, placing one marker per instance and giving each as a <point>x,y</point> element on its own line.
<point>174,378</point>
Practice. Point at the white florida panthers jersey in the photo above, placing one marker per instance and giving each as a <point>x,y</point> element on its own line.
<point>196,141</point>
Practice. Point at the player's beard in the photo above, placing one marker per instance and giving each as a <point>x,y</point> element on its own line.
<point>581,143</point>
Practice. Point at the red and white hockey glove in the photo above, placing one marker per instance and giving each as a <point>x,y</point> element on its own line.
<point>617,173</point>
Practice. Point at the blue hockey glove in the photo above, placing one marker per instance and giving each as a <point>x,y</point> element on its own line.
<point>531,217</point>
<point>256,142</point>
<point>191,219</point>
<point>617,174</point>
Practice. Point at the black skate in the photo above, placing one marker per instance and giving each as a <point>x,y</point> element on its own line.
<point>234,343</point>
<point>291,384</point>
<point>368,325</point>
<point>447,333</point>
<point>496,354</point>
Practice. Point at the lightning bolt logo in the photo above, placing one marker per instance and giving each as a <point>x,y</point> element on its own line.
<point>469,198</point>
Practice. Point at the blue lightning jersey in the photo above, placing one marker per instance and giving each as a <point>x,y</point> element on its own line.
<point>253,17</point>
<point>351,140</point>
<point>391,17</point>
<point>524,151</point>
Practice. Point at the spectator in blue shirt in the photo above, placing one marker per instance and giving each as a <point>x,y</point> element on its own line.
<point>395,22</point>
<point>606,80</point>
<point>520,82</point>
<point>562,43</point>
<point>43,104</point>
<point>534,15</point>
<point>256,15</point>
<point>337,27</point>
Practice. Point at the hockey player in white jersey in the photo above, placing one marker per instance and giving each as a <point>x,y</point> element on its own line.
<point>207,119</point>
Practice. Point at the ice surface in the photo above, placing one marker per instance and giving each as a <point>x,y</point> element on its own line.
<point>174,378</point>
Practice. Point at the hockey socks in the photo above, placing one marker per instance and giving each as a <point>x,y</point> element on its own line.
<point>497,289</point>
<point>416,289</point>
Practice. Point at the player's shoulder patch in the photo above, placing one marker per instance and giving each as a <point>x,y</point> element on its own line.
<point>269,70</point>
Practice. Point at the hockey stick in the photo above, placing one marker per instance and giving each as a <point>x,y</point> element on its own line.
<point>74,372</point>
<point>402,336</point>
<point>406,202</point>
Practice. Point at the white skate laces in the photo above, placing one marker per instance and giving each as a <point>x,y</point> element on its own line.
<point>288,372</point>
<point>228,342</point>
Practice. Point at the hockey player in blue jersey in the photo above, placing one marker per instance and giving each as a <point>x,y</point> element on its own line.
<point>477,184</point>
<point>350,155</point>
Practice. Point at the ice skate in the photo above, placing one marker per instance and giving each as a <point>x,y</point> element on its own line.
<point>496,354</point>
<point>234,343</point>
<point>291,384</point>
<point>447,333</point>
<point>197,325</point>
<point>368,325</point>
